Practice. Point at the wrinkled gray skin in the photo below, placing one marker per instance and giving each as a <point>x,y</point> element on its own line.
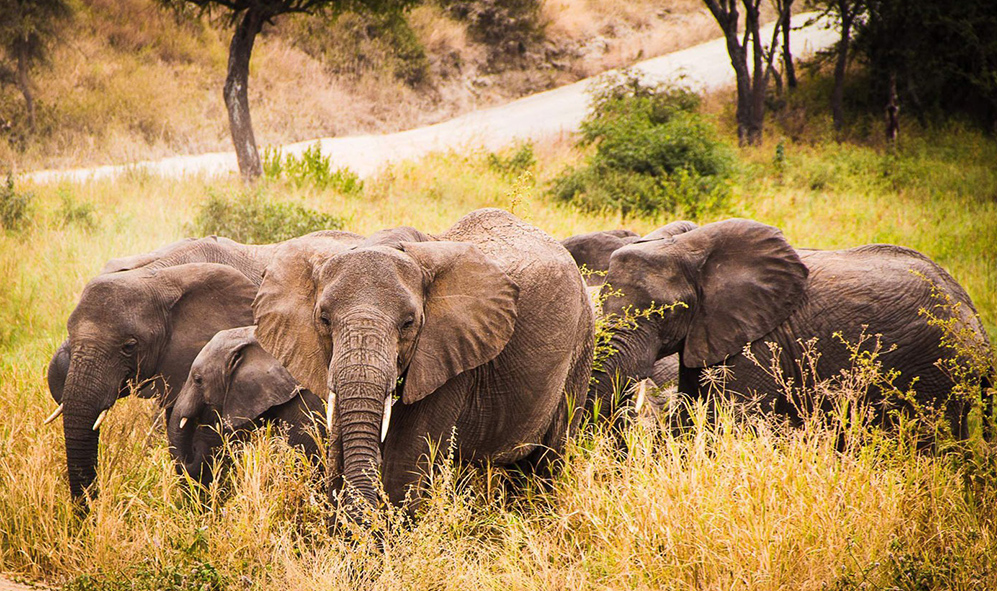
<point>142,323</point>
<point>743,283</point>
<point>488,324</point>
<point>592,252</point>
<point>233,387</point>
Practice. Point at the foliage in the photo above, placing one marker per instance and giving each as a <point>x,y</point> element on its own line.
<point>200,576</point>
<point>721,500</point>
<point>654,152</point>
<point>14,207</point>
<point>311,168</point>
<point>507,27</point>
<point>255,219</point>
<point>73,213</point>
<point>358,43</point>
<point>516,163</point>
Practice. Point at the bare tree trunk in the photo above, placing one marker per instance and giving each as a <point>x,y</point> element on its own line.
<point>892,112</point>
<point>759,81</point>
<point>23,82</point>
<point>837,95</point>
<point>237,96</point>
<point>787,54</point>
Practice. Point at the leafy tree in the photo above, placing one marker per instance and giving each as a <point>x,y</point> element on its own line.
<point>751,82</point>
<point>846,13</point>
<point>249,17</point>
<point>27,27</point>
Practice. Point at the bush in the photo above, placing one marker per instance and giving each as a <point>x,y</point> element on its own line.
<point>506,27</point>
<point>654,152</point>
<point>255,219</point>
<point>73,213</point>
<point>14,207</point>
<point>515,164</point>
<point>311,168</point>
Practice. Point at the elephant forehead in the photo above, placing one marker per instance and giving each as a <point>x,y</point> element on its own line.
<point>377,266</point>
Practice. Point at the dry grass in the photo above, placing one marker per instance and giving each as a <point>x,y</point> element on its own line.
<point>132,82</point>
<point>725,504</point>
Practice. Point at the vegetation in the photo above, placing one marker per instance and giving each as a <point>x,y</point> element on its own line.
<point>725,502</point>
<point>653,152</point>
<point>311,168</point>
<point>14,206</point>
<point>138,82</point>
<point>252,218</point>
<point>27,27</point>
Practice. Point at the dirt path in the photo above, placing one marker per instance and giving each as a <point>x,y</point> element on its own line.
<point>705,67</point>
<point>8,585</point>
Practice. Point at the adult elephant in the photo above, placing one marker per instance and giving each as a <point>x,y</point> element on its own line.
<point>484,331</point>
<point>741,284</point>
<point>140,325</point>
<point>233,387</point>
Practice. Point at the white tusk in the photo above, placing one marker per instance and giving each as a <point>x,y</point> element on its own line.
<point>55,414</point>
<point>387,417</point>
<point>183,421</point>
<point>330,411</point>
<point>100,419</point>
<point>641,391</point>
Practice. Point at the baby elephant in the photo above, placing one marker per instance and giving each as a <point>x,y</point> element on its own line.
<point>235,386</point>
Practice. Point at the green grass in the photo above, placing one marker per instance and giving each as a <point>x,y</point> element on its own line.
<point>724,505</point>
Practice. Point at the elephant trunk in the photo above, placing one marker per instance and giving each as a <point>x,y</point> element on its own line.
<point>88,393</point>
<point>362,377</point>
<point>182,430</point>
<point>632,358</point>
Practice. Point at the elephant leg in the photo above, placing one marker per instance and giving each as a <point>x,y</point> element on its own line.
<point>418,438</point>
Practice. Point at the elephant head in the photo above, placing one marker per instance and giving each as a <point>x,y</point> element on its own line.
<point>139,328</point>
<point>233,386</point>
<point>735,280</point>
<point>594,249</point>
<point>355,322</point>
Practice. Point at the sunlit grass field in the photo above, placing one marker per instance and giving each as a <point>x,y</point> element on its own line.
<point>726,504</point>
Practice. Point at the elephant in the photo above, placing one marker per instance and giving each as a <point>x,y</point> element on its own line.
<point>139,326</point>
<point>740,283</point>
<point>235,386</point>
<point>484,331</point>
<point>593,250</point>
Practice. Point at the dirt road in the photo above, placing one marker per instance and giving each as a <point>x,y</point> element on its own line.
<point>705,67</point>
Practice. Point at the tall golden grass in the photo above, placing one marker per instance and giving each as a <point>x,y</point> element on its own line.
<point>726,503</point>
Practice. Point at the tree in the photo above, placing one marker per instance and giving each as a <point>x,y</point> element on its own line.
<point>751,83</point>
<point>846,13</point>
<point>249,17</point>
<point>784,8</point>
<point>26,29</point>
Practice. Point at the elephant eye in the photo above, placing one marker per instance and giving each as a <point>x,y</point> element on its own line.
<point>324,320</point>
<point>129,347</point>
<point>198,379</point>
<point>408,323</point>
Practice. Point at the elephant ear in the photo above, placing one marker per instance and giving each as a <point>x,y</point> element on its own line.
<point>262,384</point>
<point>284,309</point>
<point>205,298</point>
<point>470,314</point>
<point>749,280</point>
<point>140,260</point>
<point>58,368</point>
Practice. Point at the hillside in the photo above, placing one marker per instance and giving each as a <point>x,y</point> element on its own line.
<point>131,81</point>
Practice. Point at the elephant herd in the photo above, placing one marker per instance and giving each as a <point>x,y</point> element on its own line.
<point>389,344</point>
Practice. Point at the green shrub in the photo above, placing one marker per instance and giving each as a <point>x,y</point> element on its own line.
<point>254,219</point>
<point>155,577</point>
<point>311,168</point>
<point>653,152</point>
<point>72,213</point>
<point>14,207</point>
<point>358,43</point>
<point>515,164</point>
